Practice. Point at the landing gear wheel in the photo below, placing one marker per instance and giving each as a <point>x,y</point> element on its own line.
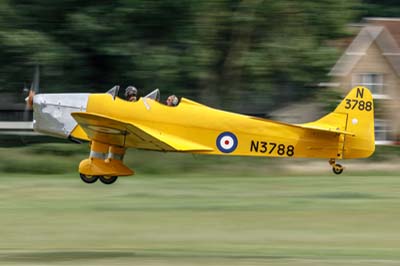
<point>88,179</point>
<point>108,180</point>
<point>337,169</point>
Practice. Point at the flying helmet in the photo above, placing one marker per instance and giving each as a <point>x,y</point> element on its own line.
<point>130,91</point>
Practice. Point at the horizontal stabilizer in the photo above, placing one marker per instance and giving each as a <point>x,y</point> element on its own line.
<point>317,126</point>
<point>325,128</point>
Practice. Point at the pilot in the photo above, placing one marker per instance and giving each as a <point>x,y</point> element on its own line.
<point>172,100</point>
<point>131,94</point>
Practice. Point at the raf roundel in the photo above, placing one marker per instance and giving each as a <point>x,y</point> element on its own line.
<point>227,142</point>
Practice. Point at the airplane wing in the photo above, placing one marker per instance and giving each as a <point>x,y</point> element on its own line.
<point>121,133</point>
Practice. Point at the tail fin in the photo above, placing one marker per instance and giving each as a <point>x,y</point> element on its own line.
<point>358,106</point>
<point>353,119</point>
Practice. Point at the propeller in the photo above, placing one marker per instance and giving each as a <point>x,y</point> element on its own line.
<point>34,89</point>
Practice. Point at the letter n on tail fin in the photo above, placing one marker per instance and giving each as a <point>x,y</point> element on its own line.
<point>358,106</point>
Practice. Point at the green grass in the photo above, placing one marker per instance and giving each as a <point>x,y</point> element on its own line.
<point>200,220</point>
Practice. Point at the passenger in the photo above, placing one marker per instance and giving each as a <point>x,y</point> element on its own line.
<point>131,94</point>
<point>172,100</point>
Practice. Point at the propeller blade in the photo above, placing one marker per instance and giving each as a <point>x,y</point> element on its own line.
<point>31,93</point>
<point>29,99</point>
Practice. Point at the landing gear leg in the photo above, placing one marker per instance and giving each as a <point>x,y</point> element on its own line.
<point>104,164</point>
<point>336,168</point>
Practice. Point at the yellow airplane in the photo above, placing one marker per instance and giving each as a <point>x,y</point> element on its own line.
<point>112,125</point>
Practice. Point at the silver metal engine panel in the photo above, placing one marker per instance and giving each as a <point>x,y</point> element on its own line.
<point>52,112</point>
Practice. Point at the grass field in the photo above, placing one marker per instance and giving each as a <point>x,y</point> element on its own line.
<point>180,220</point>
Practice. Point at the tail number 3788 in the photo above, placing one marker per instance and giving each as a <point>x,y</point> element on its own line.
<point>358,104</point>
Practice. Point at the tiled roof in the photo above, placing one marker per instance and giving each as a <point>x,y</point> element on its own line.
<point>358,48</point>
<point>391,24</point>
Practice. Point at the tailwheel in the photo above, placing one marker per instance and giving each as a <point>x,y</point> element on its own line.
<point>89,179</point>
<point>337,169</point>
<point>108,180</point>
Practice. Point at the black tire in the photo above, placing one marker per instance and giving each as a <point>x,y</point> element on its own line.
<point>108,180</point>
<point>337,169</point>
<point>89,179</point>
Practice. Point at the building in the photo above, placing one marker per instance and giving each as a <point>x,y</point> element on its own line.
<point>372,59</point>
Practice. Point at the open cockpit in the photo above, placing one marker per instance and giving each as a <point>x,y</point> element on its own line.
<point>155,95</point>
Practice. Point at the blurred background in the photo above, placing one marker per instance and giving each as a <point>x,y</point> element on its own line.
<point>286,60</point>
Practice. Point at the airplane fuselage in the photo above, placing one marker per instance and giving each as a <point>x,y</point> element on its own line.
<point>225,132</point>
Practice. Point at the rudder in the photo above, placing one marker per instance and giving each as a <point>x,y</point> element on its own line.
<point>358,106</point>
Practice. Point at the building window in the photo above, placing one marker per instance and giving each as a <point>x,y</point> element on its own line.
<point>383,130</point>
<point>373,81</point>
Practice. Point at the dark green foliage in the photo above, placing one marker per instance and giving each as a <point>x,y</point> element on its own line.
<point>379,8</point>
<point>218,52</point>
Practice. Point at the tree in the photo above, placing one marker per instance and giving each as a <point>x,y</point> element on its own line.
<point>219,52</point>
